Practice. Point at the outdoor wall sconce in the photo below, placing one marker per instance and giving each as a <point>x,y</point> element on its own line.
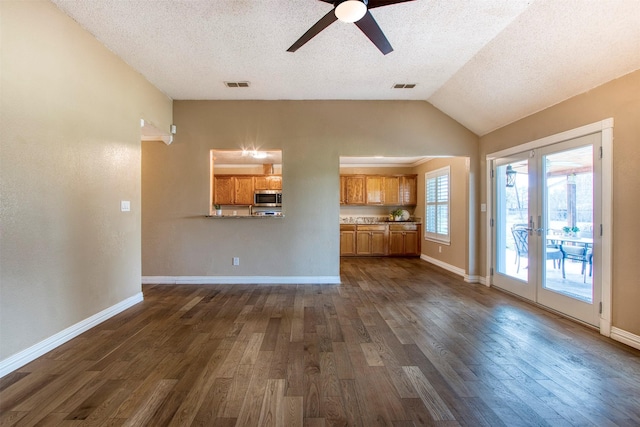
<point>511,177</point>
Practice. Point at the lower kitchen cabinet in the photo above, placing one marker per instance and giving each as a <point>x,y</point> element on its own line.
<point>380,239</point>
<point>347,240</point>
<point>371,239</point>
<point>404,239</point>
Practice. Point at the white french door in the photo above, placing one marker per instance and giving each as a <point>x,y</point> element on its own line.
<point>546,228</point>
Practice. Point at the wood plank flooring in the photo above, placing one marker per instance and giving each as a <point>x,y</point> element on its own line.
<point>399,343</point>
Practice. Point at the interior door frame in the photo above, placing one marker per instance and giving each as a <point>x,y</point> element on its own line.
<point>605,128</point>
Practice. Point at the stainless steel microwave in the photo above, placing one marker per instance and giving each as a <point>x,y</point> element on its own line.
<point>267,198</point>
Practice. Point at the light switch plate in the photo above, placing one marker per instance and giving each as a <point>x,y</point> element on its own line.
<point>125,205</point>
<point>483,207</point>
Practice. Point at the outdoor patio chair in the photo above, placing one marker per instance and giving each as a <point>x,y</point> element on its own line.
<point>521,239</point>
<point>574,253</point>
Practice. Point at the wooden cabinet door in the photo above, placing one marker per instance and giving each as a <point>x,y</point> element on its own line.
<point>411,243</point>
<point>404,239</point>
<point>396,243</point>
<point>363,242</point>
<point>354,189</point>
<point>378,242</point>
<point>274,183</point>
<point>223,190</point>
<point>267,182</point>
<point>374,188</point>
<point>409,190</point>
<point>347,240</point>
<point>392,191</point>
<point>260,183</point>
<point>243,190</point>
<point>371,239</point>
<point>343,189</point>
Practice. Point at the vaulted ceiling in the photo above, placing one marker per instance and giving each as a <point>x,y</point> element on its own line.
<point>485,63</point>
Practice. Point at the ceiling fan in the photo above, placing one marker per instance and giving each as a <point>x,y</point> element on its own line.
<point>351,11</point>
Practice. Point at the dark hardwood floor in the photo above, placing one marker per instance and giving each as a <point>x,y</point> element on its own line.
<point>399,343</point>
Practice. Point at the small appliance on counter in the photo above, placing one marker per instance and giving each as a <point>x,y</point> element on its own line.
<point>266,211</point>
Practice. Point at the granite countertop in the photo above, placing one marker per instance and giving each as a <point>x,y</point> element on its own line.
<point>243,216</point>
<point>375,220</point>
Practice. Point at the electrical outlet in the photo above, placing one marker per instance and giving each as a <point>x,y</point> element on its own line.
<point>440,249</point>
<point>236,260</point>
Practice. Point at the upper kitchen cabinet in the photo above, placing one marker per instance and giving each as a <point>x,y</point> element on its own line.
<point>352,190</point>
<point>267,182</point>
<point>223,190</point>
<point>243,190</point>
<point>374,186</point>
<point>233,190</point>
<point>378,190</point>
<point>392,191</point>
<point>409,190</point>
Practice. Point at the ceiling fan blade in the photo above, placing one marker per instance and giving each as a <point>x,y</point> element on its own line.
<point>377,3</point>
<point>323,23</point>
<point>370,28</point>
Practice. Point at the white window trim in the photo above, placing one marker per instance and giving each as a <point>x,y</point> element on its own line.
<point>437,237</point>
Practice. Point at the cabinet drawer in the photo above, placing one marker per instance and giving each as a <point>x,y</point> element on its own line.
<point>403,227</point>
<point>372,227</point>
<point>347,227</point>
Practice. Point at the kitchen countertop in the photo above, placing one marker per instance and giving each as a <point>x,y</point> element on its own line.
<point>244,216</point>
<point>381,222</point>
<point>376,220</point>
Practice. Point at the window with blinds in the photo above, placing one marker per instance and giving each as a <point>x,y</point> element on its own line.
<point>437,205</point>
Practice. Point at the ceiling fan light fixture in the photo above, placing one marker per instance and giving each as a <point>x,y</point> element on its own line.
<point>350,10</point>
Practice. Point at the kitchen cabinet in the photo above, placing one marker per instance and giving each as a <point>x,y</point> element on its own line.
<point>392,191</point>
<point>380,239</point>
<point>374,186</point>
<point>243,190</point>
<point>371,239</point>
<point>352,190</point>
<point>233,189</point>
<point>239,189</point>
<point>404,239</point>
<point>378,190</point>
<point>409,190</point>
<point>223,190</point>
<point>347,240</point>
<point>267,182</point>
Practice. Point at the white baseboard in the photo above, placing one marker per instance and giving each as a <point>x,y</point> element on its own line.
<point>452,268</point>
<point>239,280</point>
<point>625,337</point>
<point>472,279</point>
<point>20,359</point>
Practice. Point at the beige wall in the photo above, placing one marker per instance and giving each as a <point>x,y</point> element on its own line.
<point>455,253</point>
<point>69,152</point>
<point>179,241</point>
<point>619,99</point>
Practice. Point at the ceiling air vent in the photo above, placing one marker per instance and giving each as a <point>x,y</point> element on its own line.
<point>236,84</point>
<point>404,85</point>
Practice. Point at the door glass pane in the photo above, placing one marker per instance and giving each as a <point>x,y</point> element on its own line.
<point>568,216</point>
<point>512,216</point>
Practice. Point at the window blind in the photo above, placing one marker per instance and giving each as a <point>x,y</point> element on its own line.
<point>437,204</point>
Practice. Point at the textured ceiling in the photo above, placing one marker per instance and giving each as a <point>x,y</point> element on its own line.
<point>486,63</point>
